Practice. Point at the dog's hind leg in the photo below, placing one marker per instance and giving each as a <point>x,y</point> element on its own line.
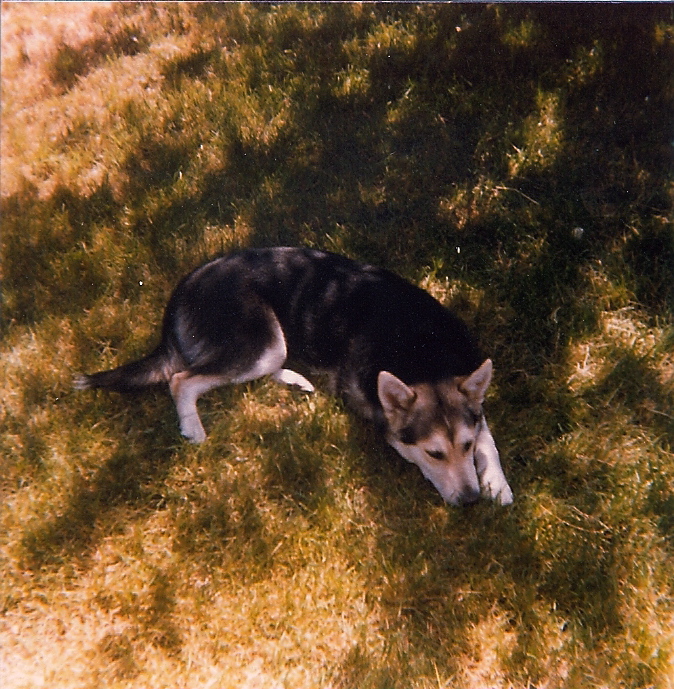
<point>187,386</point>
<point>490,473</point>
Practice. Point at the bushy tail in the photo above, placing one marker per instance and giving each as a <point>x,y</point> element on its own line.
<point>157,367</point>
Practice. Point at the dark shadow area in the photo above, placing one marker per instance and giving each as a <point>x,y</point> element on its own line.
<point>369,170</point>
<point>296,473</point>
<point>70,63</point>
<point>122,485</point>
<point>45,265</point>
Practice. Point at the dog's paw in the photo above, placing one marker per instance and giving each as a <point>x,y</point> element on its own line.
<point>288,377</point>
<point>505,495</point>
<point>192,429</point>
<point>196,437</point>
<point>494,485</point>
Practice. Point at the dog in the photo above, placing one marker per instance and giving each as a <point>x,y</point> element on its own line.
<point>392,351</point>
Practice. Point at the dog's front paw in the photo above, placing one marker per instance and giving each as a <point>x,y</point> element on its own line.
<point>285,375</point>
<point>494,485</point>
<point>505,495</point>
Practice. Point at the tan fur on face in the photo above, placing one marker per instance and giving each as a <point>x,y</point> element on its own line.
<point>439,427</point>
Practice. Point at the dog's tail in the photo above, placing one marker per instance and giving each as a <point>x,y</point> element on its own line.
<point>157,367</point>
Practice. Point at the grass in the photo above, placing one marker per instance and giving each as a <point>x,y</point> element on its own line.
<point>513,160</point>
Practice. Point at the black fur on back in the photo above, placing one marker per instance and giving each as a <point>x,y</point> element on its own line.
<point>350,319</point>
<point>336,314</point>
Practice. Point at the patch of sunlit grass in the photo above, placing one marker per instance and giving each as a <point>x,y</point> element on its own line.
<point>541,137</point>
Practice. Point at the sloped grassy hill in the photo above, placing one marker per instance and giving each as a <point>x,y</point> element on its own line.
<point>513,160</point>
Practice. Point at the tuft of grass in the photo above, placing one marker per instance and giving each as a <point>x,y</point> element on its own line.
<point>515,162</point>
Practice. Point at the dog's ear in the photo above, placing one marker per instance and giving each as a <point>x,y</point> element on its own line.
<point>475,386</point>
<point>394,395</point>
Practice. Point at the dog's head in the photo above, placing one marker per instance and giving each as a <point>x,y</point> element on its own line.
<point>435,426</point>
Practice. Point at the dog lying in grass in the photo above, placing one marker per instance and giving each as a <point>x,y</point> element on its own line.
<point>392,351</point>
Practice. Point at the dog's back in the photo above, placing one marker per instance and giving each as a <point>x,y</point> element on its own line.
<point>339,316</point>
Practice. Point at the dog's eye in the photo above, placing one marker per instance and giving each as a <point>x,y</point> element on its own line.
<point>467,445</point>
<point>436,454</point>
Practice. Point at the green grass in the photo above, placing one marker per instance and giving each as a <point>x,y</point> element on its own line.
<point>513,160</point>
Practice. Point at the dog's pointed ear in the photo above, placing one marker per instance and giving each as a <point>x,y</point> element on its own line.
<point>394,395</point>
<point>475,386</point>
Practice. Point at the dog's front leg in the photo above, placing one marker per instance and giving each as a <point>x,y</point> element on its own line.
<point>489,471</point>
<point>288,377</point>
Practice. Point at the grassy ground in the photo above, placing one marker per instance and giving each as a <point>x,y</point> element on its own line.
<point>516,162</point>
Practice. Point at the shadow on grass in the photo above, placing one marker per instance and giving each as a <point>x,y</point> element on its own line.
<point>119,490</point>
<point>368,171</point>
<point>122,491</point>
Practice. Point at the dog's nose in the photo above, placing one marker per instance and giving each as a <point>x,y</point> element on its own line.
<point>470,497</point>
